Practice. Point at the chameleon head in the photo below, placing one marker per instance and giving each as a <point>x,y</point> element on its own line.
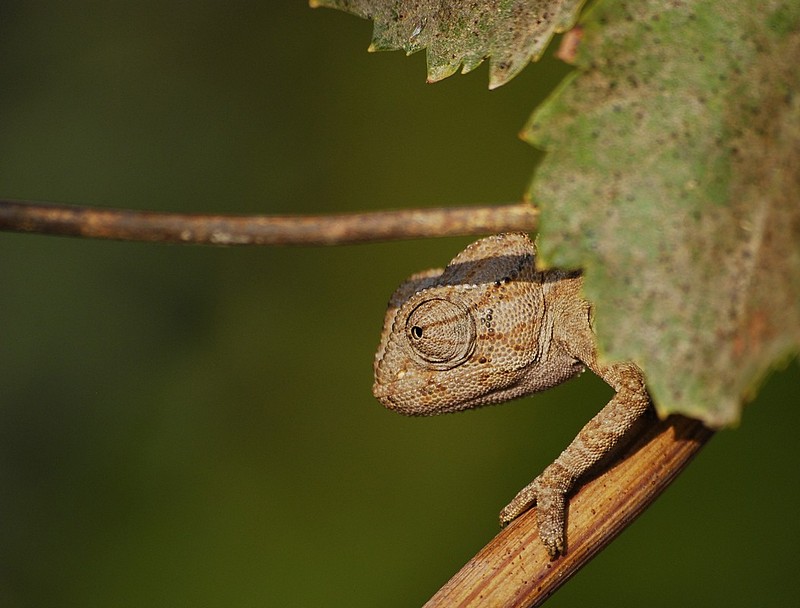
<point>465,336</point>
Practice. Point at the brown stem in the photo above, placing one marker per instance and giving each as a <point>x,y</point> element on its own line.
<point>130,225</point>
<point>514,568</point>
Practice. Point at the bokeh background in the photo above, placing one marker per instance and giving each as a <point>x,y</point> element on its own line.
<point>194,426</point>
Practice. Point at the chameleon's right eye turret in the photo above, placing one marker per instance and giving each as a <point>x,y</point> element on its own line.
<point>441,333</point>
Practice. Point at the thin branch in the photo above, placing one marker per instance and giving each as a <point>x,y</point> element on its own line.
<point>199,229</point>
<point>514,570</point>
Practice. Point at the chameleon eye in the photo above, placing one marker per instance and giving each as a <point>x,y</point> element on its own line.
<point>441,332</point>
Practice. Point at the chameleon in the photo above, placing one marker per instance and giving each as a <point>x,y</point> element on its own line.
<point>489,328</point>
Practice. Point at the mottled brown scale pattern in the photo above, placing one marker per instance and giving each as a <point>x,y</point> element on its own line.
<point>489,328</point>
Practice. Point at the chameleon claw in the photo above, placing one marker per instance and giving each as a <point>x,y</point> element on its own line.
<point>550,514</point>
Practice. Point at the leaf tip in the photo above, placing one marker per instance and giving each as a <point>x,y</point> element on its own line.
<point>570,44</point>
<point>440,72</point>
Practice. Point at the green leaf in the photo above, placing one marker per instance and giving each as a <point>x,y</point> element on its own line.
<point>510,32</point>
<point>673,179</point>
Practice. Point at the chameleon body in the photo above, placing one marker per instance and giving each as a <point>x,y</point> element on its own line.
<point>488,328</point>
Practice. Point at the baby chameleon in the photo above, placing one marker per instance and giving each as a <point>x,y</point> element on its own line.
<point>489,328</point>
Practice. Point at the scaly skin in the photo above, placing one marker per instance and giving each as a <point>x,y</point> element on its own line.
<point>489,328</point>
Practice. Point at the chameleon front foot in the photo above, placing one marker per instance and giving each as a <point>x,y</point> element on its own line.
<point>550,514</point>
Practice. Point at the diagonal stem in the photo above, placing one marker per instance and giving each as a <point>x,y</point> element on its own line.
<point>514,569</point>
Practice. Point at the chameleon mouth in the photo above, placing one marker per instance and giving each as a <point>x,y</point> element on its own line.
<point>404,404</point>
<point>391,403</point>
<point>383,394</point>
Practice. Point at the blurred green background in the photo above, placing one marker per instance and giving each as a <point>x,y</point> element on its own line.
<point>194,426</point>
